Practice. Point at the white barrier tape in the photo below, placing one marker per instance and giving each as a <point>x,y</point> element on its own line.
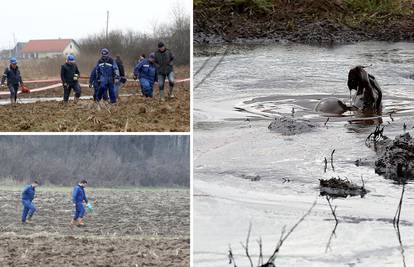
<point>86,78</point>
<point>53,86</point>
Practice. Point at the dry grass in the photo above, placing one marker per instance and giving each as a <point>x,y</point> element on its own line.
<point>32,69</point>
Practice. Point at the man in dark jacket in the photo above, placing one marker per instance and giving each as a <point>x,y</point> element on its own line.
<point>14,78</point>
<point>122,80</point>
<point>163,61</point>
<point>107,74</point>
<point>78,198</point>
<point>28,195</point>
<point>146,72</point>
<point>69,73</point>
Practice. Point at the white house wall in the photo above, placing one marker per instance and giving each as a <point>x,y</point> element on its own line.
<point>71,48</point>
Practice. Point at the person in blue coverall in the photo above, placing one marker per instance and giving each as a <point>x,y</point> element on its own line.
<point>107,74</point>
<point>78,198</point>
<point>93,83</point>
<point>146,71</point>
<point>28,195</point>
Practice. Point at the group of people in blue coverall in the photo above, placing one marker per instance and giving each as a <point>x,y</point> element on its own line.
<point>107,76</point>
<point>79,199</point>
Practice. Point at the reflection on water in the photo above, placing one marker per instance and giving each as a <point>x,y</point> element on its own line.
<point>233,109</point>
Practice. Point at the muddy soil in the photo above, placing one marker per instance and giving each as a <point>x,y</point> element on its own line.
<point>126,228</point>
<point>129,88</point>
<point>396,158</point>
<point>133,113</point>
<point>309,22</point>
<point>291,126</point>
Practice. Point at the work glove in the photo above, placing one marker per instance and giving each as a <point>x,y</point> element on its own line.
<point>76,77</point>
<point>135,77</point>
<point>2,85</point>
<point>65,85</point>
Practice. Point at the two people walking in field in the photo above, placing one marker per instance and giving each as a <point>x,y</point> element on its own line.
<point>79,199</point>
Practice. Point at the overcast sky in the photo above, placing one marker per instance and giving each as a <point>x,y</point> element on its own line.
<point>49,19</point>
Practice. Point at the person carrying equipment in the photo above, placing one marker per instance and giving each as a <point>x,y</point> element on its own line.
<point>107,74</point>
<point>146,71</point>
<point>78,198</point>
<point>69,74</point>
<point>28,195</point>
<point>14,78</point>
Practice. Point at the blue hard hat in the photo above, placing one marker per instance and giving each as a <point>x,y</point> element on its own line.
<point>104,52</point>
<point>151,56</point>
<point>13,60</point>
<point>71,58</point>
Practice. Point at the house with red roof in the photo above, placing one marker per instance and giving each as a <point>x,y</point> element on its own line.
<point>50,48</point>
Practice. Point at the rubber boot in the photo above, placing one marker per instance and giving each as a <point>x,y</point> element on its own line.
<point>170,93</point>
<point>29,220</point>
<point>162,98</point>
<point>81,223</point>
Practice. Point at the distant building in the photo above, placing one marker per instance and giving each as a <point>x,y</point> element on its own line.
<point>50,48</point>
<point>17,50</point>
<point>5,54</point>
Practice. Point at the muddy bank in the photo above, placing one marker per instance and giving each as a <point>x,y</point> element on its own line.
<point>309,22</point>
<point>145,227</point>
<point>396,158</point>
<point>132,113</point>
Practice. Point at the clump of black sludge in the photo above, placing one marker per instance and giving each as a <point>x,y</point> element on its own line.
<point>396,158</point>
<point>337,187</point>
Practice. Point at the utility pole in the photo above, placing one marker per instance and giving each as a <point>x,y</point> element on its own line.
<point>15,46</point>
<point>107,23</point>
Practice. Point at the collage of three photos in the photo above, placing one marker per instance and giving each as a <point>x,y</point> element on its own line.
<point>255,133</point>
<point>95,150</point>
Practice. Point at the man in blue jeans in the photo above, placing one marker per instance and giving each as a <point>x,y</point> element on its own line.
<point>78,198</point>
<point>163,60</point>
<point>28,195</point>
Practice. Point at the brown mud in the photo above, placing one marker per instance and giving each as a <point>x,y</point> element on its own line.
<point>312,22</point>
<point>132,113</point>
<point>126,228</point>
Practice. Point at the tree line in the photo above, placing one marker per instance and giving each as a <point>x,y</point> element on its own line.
<point>106,161</point>
<point>131,44</point>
